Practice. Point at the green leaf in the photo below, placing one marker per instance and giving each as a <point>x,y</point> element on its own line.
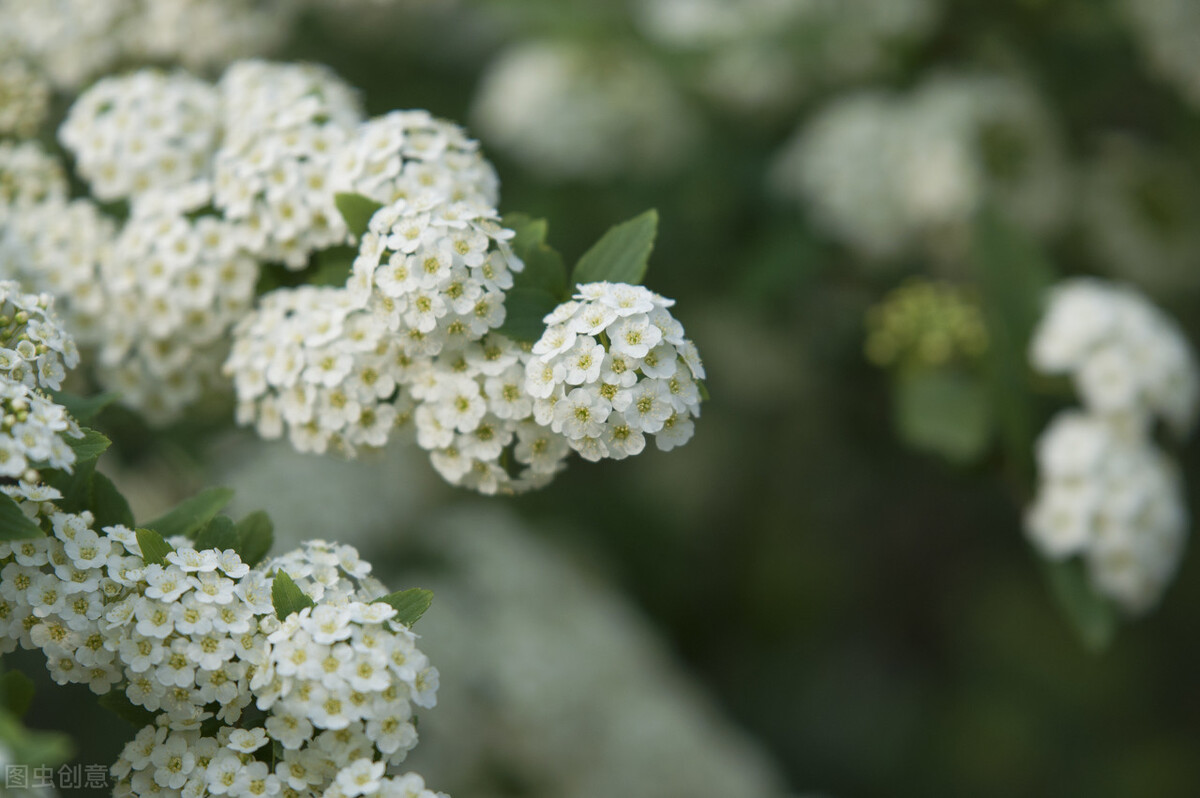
<point>14,524</point>
<point>16,692</point>
<point>256,534</point>
<point>333,266</point>
<point>527,231</point>
<point>622,254</point>
<point>539,287</point>
<point>191,515</point>
<point>357,210</point>
<point>287,596</point>
<point>31,747</point>
<point>218,534</point>
<point>703,388</point>
<point>524,309</point>
<point>410,604</point>
<point>1013,274</point>
<point>118,703</point>
<point>89,447</point>
<point>107,504</point>
<point>154,547</point>
<point>76,486</point>
<point>944,412</point>
<point>1092,617</point>
<point>84,408</point>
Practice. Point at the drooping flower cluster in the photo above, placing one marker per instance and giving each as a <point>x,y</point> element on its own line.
<point>1125,356</point>
<point>142,131</point>
<point>568,112</point>
<point>612,367</point>
<point>415,156</point>
<point>1107,492</point>
<point>886,173</point>
<point>309,361</point>
<point>283,126</point>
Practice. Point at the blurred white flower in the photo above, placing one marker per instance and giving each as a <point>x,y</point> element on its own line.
<point>568,112</point>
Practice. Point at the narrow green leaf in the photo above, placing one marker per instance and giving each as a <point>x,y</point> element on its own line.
<point>119,704</point>
<point>287,596</point>
<point>357,210</point>
<point>16,692</point>
<point>154,547</point>
<point>256,534</point>
<point>89,447</point>
<point>703,388</point>
<point>622,254</point>
<point>410,604</point>
<point>14,524</point>
<point>524,309</point>
<point>218,534</point>
<point>1013,274</point>
<point>190,515</point>
<point>84,408</point>
<point>1092,617</point>
<point>107,504</point>
<point>944,412</point>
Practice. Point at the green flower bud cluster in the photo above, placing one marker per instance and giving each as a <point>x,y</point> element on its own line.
<point>925,324</point>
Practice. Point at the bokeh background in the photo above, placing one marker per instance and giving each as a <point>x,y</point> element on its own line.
<point>799,602</point>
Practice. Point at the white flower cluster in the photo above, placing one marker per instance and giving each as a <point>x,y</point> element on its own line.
<point>1109,495</point>
<point>24,96</point>
<point>612,367</point>
<point>197,637</point>
<point>142,131</point>
<point>744,55</point>
<point>177,286</point>
<point>415,156</point>
<point>35,350</point>
<point>438,270</point>
<point>567,112</point>
<point>1107,492</point>
<point>1167,30</point>
<point>886,173</point>
<point>310,361</point>
<point>72,41</point>
<point>1126,357</point>
<point>1137,212</point>
<point>283,126</point>
<point>60,247</point>
<point>29,177</point>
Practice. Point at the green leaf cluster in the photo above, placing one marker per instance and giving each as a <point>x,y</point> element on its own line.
<point>622,255</point>
<point>27,746</point>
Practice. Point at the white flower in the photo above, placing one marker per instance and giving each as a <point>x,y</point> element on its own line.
<point>247,741</point>
<point>360,777</point>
